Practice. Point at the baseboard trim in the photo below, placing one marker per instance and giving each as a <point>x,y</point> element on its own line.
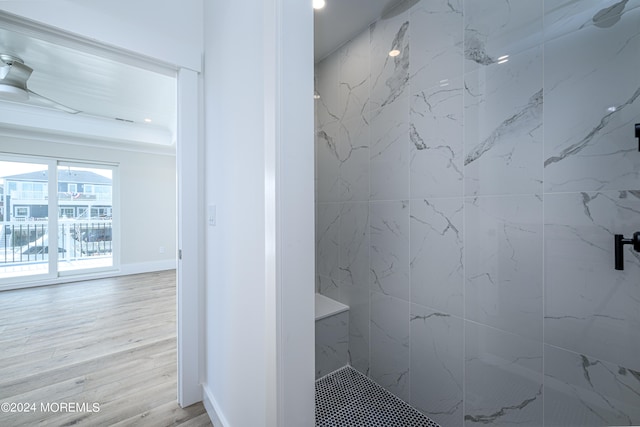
<point>147,267</point>
<point>124,270</point>
<point>213,409</point>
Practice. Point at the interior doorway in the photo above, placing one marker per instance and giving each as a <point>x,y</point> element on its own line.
<point>106,115</point>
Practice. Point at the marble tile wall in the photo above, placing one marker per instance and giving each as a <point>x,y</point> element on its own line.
<point>468,190</point>
<point>332,342</point>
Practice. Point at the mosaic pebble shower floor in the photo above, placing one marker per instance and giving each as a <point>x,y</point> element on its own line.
<point>347,398</point>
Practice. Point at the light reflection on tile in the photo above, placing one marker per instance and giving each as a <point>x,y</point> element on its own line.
<point>592,147</point>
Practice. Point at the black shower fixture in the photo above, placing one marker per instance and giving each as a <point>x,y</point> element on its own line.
<point>619,242</point>
<point>638,134</point>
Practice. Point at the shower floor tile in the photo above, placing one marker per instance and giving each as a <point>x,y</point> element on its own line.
<point>346,398</point>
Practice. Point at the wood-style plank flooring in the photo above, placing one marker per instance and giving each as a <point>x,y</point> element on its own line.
<point>110,342</point>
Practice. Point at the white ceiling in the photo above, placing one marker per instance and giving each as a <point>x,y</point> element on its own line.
<point>341,20</point>
<point>94,85</point>
<point>106,88</point>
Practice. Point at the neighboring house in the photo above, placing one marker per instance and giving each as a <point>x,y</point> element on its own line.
<point>81,194</point>
<point>1,203</point>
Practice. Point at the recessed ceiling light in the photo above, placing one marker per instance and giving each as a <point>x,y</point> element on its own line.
<point>394,53</point>
<point>148,120</point>
<point>318,4</point>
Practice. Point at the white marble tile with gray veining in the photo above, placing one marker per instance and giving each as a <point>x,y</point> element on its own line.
<point>591,105</point>
<point>565,16</point>
<point>332,341</point>
<point>503,127</point>
<point>436,136</point>
<point>354,243</point>
<point>591,308</point>
<point>503,378</point>
<point>327,240</point>
<point>359,300</point>
<point>342,161</point>
<point>355,77</point>
<point>354,158</point>
<point>582,391</point>
<point>494,29</point>
<point>437,271</point>
<point>329,187</point>
<point>390,248</point>
<point>327,91</point>
<point>390,357</point>
<point>329,287</point>
<point>437,365</point>
<point>436,43</point>
<point>503,263</point>
<point>389,74</point>
<point>389,151</point>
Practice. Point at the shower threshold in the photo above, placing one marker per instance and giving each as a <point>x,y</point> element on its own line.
<point>347,398</point>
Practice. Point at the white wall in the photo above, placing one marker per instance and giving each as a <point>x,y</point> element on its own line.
<point>259,162</point>
<point>234,144</point>
<point>170,31</point>
<point>147,196</point>
<point>290,54</point>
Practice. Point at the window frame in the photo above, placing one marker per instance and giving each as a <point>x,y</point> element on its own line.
<point>50,189</point>
<point>16,209</point>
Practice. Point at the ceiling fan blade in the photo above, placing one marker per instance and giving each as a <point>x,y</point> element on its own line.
<point>13,77</point>
<point>48,102</point>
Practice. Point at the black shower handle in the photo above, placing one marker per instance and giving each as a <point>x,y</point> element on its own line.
<point>619,242</point>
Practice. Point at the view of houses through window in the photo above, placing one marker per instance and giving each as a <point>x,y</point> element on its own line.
<point>80,233</point>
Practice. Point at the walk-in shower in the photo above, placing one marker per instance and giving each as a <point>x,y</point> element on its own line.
<point>468,189</point>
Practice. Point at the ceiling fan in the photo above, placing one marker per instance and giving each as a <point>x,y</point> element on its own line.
<point>13,84</point>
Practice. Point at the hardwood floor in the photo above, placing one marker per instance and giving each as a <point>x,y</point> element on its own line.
<point>104,348</point>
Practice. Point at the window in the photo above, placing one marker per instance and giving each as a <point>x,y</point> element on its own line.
<point>102,212</point>
<point>39,187</point>
<point>84,231</point>
<point>88,237</point>
<point>21,212</point>
<point>67,212</point>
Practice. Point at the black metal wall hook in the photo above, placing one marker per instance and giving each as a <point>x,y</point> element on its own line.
<point>619,242</point>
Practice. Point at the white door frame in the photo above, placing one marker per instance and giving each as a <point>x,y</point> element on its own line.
<point>190,231</point>
<point>190,187</point>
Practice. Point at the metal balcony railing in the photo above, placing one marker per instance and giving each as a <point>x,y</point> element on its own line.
<point>28,241</point>
<point>103,197</point>
<point>28,195</point>
<point>65,196</point>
